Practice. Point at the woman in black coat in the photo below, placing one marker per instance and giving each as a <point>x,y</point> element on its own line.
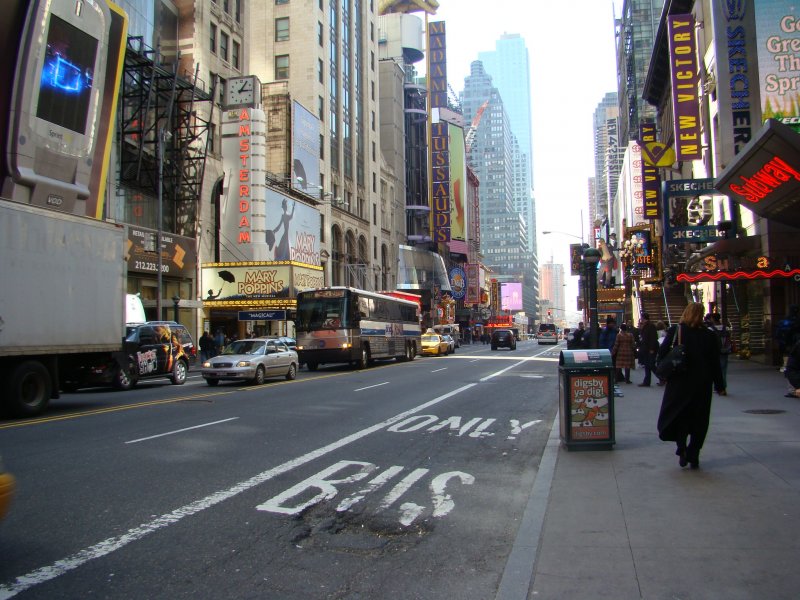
<point>686,405</point>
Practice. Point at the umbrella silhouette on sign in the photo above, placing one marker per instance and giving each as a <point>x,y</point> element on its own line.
<point>225,276</point>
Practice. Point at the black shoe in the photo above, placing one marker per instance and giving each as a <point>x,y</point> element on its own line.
<point>644,385</point>
<point>695,464</point>
<point>681,452</point>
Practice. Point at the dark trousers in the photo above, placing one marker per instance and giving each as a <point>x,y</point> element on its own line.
<point>649,362</point>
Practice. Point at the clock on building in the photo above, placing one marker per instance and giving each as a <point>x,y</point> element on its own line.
<point>243,91</point>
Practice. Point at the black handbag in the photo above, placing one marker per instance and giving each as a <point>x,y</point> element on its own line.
<point>674,362</point>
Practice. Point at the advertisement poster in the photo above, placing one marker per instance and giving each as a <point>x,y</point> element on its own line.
<point>511,296</point>
<point>292,230</point>
<point>458,191</point>
<point>305,150</point>
<point>588,395</point>
<point>777,30</point>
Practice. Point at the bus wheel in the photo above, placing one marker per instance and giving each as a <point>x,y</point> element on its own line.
<point>312,366</point>
<point>363,362</point>
<point>412,351</point>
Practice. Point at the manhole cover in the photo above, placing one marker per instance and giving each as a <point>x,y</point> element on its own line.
<point>764,411</point>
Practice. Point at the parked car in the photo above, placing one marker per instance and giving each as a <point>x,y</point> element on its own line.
<point>7,486</point>
<point>252,360</point>
<point>153,349</point>
<point>503,338</point>
<point>547,334</point>
<point>451,343</point>
<point>434,344</point>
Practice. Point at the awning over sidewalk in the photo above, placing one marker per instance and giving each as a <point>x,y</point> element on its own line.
<point>765,177</point>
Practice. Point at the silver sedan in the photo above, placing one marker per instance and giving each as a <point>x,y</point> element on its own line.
<point>251,360</point>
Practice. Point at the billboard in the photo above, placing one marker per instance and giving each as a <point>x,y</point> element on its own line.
<point>685,87</point>
<point>437,63</point>
<point>778,70</point>
<point>440,182</point>
<point>292,230</point>
<point>458,191</point>
<point>511,296</point>
<point>305,150</point>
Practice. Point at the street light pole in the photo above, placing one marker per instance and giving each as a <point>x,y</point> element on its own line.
<point>591,256</point>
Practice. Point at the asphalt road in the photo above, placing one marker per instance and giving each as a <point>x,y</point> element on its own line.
<point>405,480</point>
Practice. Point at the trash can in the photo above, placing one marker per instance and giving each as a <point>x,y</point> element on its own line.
<point>586,399</point>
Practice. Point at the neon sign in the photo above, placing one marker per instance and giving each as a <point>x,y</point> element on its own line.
<point>244,178</point>
<point>765,181</point>
<point>440,156</point>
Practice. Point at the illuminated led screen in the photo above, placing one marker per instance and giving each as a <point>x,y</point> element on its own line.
<point>67,75</point>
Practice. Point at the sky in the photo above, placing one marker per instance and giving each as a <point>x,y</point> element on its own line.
<point>573,66</point>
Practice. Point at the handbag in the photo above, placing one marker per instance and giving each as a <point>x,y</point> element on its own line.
<point>674,362</point>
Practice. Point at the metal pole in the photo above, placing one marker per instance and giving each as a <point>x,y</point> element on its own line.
<point>160,218</point>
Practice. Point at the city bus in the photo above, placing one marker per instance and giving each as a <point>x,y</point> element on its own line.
<point>346,325</point>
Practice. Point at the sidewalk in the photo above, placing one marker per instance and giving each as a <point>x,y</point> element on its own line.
<point>629,523</point>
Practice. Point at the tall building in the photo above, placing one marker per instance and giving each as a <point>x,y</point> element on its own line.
<point>504,230</point>
<point>607,158</point>
<point>552,291</point>
<point>509,67</point>
<point>334,75</point>
<point>636,33</point>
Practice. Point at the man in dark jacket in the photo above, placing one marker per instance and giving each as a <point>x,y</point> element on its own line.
<point>648,346</point>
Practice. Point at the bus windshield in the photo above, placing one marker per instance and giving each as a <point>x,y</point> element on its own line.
<point>320,311</point>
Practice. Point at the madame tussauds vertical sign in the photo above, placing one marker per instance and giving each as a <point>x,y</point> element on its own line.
<point>440,157</point>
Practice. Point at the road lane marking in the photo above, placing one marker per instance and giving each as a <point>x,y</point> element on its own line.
<point>109,545</point>
<point>152,437</point>
<point>369,387</point>
<point>437,370</point>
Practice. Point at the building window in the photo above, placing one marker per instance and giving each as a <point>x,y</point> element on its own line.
<point>223,45</point>
<point>226,6</point>
<point>321,147</point>
<point>222,84</point>
<point>321,108</point>
<point>235,54</point>
<point>282,29</point>
<point>213,40</point>
<point>320,34</point>
<point>320,70</point>
<point>281,1</point>
<point>238,11</point>
<point>282,66</point>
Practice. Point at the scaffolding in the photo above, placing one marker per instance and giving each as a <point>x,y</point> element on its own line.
<point>156,101</point>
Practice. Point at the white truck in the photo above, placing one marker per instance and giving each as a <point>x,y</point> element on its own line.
<point>62,302</point>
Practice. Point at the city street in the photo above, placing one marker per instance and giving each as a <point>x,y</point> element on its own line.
<point>406,480</point>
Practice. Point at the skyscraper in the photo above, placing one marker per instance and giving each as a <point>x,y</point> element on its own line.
<point>504,230</point>
<point>607,156</point>
<point>509,68</point>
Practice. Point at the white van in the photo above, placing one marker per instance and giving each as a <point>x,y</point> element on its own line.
<point>453,330</point>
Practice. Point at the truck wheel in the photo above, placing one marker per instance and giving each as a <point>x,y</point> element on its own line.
<point>179,373</point>
<point>29,389</point>
<point>122,379</point>
<point>312,366</point>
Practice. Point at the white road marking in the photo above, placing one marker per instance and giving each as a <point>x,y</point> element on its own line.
<point>437,370</point>
<point>532,376</point>
<point>107,546</point>
<point>152,437</point>
<point>369,387</point>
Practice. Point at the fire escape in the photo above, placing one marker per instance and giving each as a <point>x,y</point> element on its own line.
<point>158,102</point>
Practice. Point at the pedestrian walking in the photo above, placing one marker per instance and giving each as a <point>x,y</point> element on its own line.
<point>792,371</point>
<point>661,330</point>
<point>219,341</point>
<point>686,404</point>
<point>648,346</point>
<point>206,347</point>
<point>608,335</point>
<point>624,352</point>
<point>723,333</point>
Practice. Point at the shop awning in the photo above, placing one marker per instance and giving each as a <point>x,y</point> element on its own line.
<point>765,177</point>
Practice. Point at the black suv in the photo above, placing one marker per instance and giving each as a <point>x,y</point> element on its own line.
<point>504,338</point>
<point>149,350</point>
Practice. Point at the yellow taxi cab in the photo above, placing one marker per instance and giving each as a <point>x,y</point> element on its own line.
<point>7,486</point>
<point>434,344</point>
